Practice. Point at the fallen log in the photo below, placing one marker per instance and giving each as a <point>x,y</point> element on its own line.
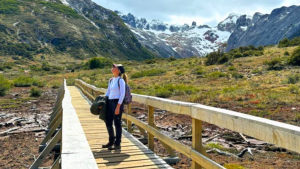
<point>210,138</point>
<point>9,130</point>
<point>137,108</point>
<point>240,155</point>
<point>248,142</point>
<point>12,121</point>
<point>28,131</point>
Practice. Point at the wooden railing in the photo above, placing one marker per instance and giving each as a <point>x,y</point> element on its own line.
<point>66,137</point>
<point>281,134</point>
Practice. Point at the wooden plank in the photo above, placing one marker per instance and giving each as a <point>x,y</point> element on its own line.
<point>56,164</point>
<point>197,140</point>
<point>76,152</point>
<point>52,130</point>
<point>129,164</point>
<point>46,150</point>
<point>129,125</point>
<point>150,123</point>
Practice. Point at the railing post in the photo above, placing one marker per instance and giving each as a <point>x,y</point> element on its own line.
<point>151,123</point>
<point>197,140</point>
<point>129,124</point>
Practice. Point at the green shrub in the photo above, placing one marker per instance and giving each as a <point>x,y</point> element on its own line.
<point>223,59</point>
<point>260,48</point>
<point>295,57</point>
<point>257,71</point>
<point>237,75</point>
<point>55,84</point>
<point>284,43</point>
<point>294,89</point>
<point>217,75</point>
<point>45,66</point>
<point>238,55</point>
<point>151,72</point>
<point>150,61</point>
<point>286,53</point>
<point>38,83</point>
<point>172,58</point>
<point>247,53</point>
<point>61,8</point>
<point>231,68</point>
<point>179,72</point>
<point>258,53</point>
<point>5,85</point>
<point>274,64</point>
<point>293,79</point>
<point>215,57</point>
<point>98,63</point>
<point>198,71</point>
<point>23,81</point>
<point>34,92</point>
<point>9,7</point>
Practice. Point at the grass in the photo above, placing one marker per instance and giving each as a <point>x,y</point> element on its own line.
<point>214,145</point>
<point>233,166</point>
<point>245,84</point>
<point>151,72</point>
<point>34,92</point>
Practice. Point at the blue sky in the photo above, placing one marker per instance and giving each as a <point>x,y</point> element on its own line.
<point>209,12</point>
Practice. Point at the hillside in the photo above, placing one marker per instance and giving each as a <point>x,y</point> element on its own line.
<point>34,27</point>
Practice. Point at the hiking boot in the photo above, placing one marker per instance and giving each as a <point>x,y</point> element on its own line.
<point>107,145</point>
<point>114,147</point>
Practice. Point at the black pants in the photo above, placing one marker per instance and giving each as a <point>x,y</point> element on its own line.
<point>110,117</point>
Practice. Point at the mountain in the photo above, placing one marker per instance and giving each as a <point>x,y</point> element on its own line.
<point>266,29</point>
<point>180,41</point>
<point>79,28</point>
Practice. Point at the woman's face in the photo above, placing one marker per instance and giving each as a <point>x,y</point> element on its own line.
<point>115,70</point>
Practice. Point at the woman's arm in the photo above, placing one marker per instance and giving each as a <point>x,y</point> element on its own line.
<point>108,90</point>
<point>122,91</point>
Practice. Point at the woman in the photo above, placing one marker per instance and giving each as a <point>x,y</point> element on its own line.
<point>115,93</point>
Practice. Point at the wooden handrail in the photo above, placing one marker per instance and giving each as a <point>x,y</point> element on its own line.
<point>281,134</point>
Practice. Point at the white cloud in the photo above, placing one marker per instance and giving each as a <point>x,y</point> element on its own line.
<point>290,2</point>
<point>203,12</point>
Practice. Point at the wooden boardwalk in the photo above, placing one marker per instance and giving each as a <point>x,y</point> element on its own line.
<point>133,154</point>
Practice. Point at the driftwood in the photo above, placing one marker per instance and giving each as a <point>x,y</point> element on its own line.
<point>137,108</point>
<point>240,155</point>
<point>29,130</point>
<point>248,142</point>
<point>210,138</point>
<point>185,137</point>
<point>13,121</point>
<point>8,131</point>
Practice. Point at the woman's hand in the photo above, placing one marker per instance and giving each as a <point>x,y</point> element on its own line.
<point>117,111</point>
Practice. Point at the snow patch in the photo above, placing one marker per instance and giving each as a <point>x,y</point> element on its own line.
<point>65,2</point>
<point>244,28</point>
<point>15,24</point>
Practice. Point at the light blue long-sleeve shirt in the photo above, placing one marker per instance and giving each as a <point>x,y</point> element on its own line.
<point>113,90</point>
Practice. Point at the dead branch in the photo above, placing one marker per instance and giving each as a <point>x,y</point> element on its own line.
<point>210,138</point>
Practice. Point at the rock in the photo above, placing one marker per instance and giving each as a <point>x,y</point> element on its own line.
<point>266,29</point>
